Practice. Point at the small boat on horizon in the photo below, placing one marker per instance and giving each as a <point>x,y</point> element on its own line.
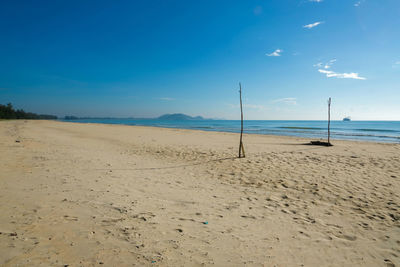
<point>346,119</point>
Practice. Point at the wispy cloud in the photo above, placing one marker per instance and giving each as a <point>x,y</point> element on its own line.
<point>329,64</point>
<point>276,53</point>
<point>351,75</point>
<point>253,106</point>
<point>333,74</point>
<point>396,64</point>
<point>166,98</point>
<point>357,4</point>
<point>249,106</point>
<point>317,1</point>
<point>261,107</point>
<point>312,25</point>
<point>287,100</point>
<point>326,65</point>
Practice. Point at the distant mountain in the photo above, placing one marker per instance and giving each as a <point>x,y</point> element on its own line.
<point>166,117</point>
<point>179,117</point>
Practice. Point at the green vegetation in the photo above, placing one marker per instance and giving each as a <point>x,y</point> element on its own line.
<point>7,112</point>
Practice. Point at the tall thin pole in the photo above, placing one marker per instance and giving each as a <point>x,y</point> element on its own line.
<point>329,120</point>
<point>241,148</point>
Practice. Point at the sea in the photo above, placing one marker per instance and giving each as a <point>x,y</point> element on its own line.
<point>375,131</point>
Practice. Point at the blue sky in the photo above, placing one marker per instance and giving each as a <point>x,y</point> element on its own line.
<point>147,58</point>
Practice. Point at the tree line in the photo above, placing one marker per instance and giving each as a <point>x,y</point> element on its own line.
<point>7,112</point>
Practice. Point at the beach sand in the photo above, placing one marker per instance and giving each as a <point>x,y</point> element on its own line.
<point>113,195</point>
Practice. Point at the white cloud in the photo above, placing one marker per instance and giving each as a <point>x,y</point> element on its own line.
<point>318,1</point>
<point>329,73</point>
<point>357,4</point>
<point>287,100</point>
<point>253,106</point>
<point>397,63</point>
<point>330,63</point>
<point>276,53</point>
<point>351,75</point>
<point>312,25</point>
<point>166,98</point>
<point>326,65</point>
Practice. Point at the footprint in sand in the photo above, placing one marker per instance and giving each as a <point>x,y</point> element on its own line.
<point>144,216</point>
<point>248,216</point>
<point>346,237</point>
<point>70,218</point>
<point>111,221</point>
<point>389,263</point>
<point>185,219</point>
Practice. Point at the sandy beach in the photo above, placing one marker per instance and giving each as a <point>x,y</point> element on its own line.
<point>112,195</point>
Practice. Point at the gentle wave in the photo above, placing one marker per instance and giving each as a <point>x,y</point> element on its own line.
<point>365,131</point>
<point>378,130</point>
<point>301,128</point>
<point>367,135</point>
<point>334,134</point>
<point>202,127</point>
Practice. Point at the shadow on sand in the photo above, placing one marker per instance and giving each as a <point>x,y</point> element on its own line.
<point>171,167</point>
<point>318,144</point>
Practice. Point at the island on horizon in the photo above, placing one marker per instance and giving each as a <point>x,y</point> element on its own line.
<point>169,117</point>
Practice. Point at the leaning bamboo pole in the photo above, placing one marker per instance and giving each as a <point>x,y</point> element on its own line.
<point>329,121</point>
<point>241,147</point>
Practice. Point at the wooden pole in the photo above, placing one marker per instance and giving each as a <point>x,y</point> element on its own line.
<point>241,147</point>
<point>329,120</point>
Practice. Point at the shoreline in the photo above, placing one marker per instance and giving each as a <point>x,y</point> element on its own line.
<point>245,133</point>
<point>89,194</point>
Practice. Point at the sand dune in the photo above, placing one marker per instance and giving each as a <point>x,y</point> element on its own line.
<point>113,195</point>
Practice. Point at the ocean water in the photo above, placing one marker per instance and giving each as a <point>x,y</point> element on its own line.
<point>376,131</point>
